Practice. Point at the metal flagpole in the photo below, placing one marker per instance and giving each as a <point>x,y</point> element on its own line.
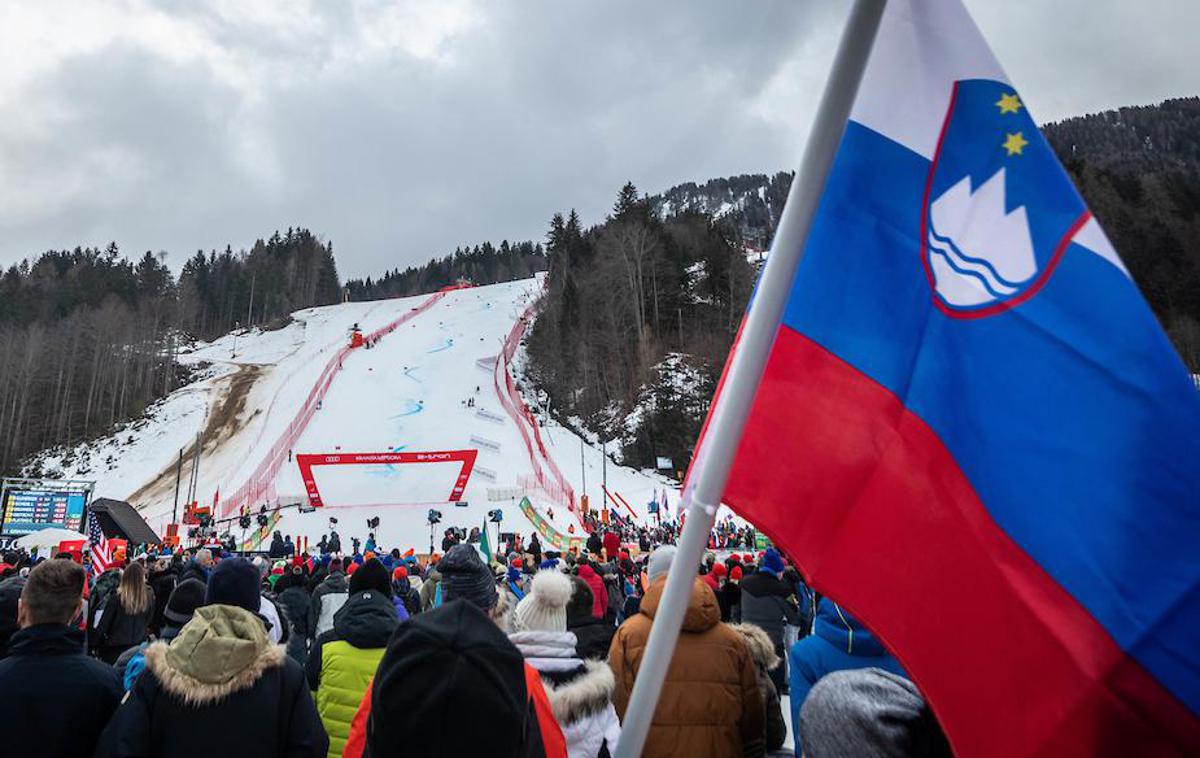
<point>750,356</point>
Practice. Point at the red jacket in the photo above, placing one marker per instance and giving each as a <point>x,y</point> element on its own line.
<point>612,545</point>
<point>599,593</point>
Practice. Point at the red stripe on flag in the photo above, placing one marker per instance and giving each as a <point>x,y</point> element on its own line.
<point>865,497</point>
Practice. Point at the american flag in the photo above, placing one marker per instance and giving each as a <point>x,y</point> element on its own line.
<point>101,552</point>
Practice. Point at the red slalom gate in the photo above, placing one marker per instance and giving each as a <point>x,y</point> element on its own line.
<point>308,460</point>
<point>260,485</point>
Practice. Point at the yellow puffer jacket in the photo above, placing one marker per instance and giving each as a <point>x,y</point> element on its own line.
<point>343,661</point>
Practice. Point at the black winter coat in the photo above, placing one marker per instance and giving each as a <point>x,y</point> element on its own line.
<point>57,700</point>
<point>120,630</point>
<point>162,582</point>
<point>295,603</point>
<point>765,604</point>
<point>274,716</point>
<point>593,636</point>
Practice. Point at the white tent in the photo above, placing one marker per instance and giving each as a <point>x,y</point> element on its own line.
<point>48,538</point>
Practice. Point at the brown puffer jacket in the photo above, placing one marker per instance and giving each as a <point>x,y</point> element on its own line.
<point>710,704</point>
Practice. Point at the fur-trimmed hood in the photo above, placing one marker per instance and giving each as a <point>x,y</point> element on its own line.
<point>758,643</point>
<point>222,650</point>
<point>583,696</point>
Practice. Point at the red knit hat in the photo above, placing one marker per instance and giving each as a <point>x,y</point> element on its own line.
<point>736,574</point>
<point>747,558</point>
<point>400,573</point>
<point>718,569</point>
<point>352,568</point>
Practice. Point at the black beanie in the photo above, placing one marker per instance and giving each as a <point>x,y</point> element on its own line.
<point>371,576</point>
<point>465,577</point>
<point>465,665</point>
<point>184,600</point>
<point>234,582</point>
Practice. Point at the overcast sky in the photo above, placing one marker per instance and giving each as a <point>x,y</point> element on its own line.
<point>401,129</point>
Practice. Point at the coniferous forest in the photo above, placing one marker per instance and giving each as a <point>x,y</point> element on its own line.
<point>88,339</point>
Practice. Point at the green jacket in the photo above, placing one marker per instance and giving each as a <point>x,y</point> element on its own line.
<point>343,661</point>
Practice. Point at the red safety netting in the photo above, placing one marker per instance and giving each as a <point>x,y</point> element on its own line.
<point>260,486</point>
<point>546,477</point>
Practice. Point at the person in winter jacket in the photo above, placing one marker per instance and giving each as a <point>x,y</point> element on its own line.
<point>327,598</point>
<point>596,584</point>
<point>199,567</point>
<point>184,600</point>
<point>580,691</point>
<point>762,652</point>
<point>431,597</point>
<point>277,549</point>
<point>594,543</point>
<point>56,699</point>
<point>344,659</point>
<point>729,597</point>
<point>219,683</point>
<point>295,602</point>
<point>457,655</point>
<point>404,595</point>
<point>125,615</point>
<point>838,643</point>
<point>710,702</point>
<point>612,545</point>
<point>162,577</point>
<point>593,636</point>
<point>766,602</point>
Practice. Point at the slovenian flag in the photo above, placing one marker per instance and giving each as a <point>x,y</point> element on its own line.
<point>972,432</point>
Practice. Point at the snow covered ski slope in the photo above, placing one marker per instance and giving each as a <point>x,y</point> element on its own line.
<point>427,396</point>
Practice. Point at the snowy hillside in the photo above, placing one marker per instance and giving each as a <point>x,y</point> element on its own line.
<point>429,386</point>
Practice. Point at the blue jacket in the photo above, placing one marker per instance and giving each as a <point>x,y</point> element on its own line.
<point>838,642</point>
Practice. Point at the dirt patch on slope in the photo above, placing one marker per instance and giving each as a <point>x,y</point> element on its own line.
<point>225,418</point>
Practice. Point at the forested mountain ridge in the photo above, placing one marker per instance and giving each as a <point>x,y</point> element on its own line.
<point>1139,170</point>
<point>483,264</point>
<point>88,339</point>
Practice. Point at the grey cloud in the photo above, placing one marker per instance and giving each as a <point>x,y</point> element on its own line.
<point>537,107</point>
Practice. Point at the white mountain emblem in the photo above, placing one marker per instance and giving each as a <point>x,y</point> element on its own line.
<point>979,254</point>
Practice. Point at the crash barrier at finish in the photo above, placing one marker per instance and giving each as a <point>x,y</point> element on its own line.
<point>307,461</point>
<point>259,487</point>
<point>546,476</point>
<point>551,537</point>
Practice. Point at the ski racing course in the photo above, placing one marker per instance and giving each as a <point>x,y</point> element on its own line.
<point>428,414</point>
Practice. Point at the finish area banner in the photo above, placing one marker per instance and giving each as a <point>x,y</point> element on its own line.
<point>306,462</point>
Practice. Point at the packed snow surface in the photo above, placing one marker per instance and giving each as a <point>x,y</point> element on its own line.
<point>426,387</point>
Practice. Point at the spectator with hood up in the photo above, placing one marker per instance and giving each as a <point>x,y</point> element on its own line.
<point>838,643</point>
<point>710,702</point>
<point>220,683</point>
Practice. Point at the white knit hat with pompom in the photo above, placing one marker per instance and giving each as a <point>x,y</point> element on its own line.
<point>544,609</point>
